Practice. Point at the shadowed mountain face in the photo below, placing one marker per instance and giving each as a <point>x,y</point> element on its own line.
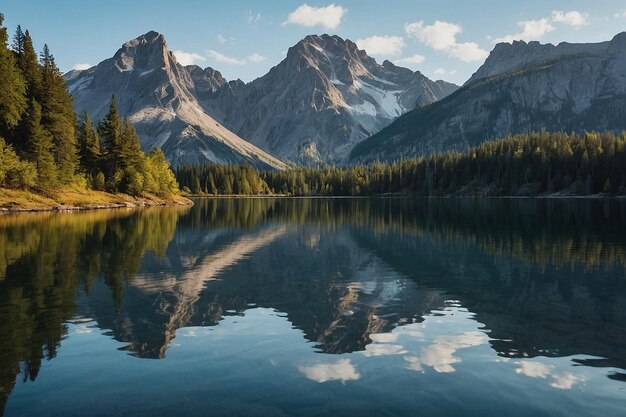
<point>158,96</point>
<point>321,100</point>
<point>522,87</point>
<point>528,280</point>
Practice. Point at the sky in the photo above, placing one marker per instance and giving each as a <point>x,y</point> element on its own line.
<point>446,39</point>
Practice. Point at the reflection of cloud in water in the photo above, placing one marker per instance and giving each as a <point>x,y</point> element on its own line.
<point>384,337</point>
<point>379,349</point>
<point>440,354</point>
<point>82,329</point>
<point>534,369</point>
<point>342,370</point>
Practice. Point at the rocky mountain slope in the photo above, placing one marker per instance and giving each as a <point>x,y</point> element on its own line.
<point>521,87</point>
<point>320,101</point>
<point>158,95</point>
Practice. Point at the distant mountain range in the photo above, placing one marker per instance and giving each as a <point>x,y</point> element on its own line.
<point>329,102</point>
<point>521,87</point>
<point>321,100</point>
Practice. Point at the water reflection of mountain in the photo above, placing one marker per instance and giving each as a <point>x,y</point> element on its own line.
<point>545,277</point>
<point>529,309</point>
<point>335,292</point>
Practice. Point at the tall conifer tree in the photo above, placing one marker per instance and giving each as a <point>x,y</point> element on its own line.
<point>38,147</point>
<point>58,117</point>
<point>110,131</point>
<point>12,86</point>
<point>89,148</point>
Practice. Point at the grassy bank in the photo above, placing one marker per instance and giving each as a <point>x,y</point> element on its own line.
<point>78,199</point>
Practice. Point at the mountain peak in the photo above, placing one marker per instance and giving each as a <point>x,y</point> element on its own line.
<point>149,38</point>
<point>146,51</point>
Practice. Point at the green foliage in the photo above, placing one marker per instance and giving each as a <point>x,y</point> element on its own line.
<point>532,164</point>
<point>12,86</point>
<point>110,131</point>
<point>47,151</point>
<point>126,168</point>
<point>222,180</point>
<point>160,179</point>
<point>27,63</point>
<point>99,181</point>
<point>58,117</point>
<point>38,146</point>
<point>14,172</point>
<point>89,148</point>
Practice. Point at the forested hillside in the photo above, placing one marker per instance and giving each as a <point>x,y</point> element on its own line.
<point>523,165</point>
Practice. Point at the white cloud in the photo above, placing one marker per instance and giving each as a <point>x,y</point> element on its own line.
<point>620,14</point>
<point>383,349</point>
<point>382,45</point>
<point>468,52</point>
<point>443,71</point>
<point>532,30</point>
<point>440,354</point>
<point>224,59</point>
<point>188,58</point>
<point>328,17</point>
<point>441,36</point>
<point>534,369</point>
<point>81,67</point>
<point>342,370</point>
<point>384,337</point>
<point>254,57</point>
<point>253,17</point>
<point>224,39</point>
<point>574,18</point>
<point>411,60</point>
<point>82,328</point>
<point>565,381</point>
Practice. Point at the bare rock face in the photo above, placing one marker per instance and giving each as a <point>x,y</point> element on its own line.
<point>320,101</point>
<point>158,95</point>
<point>521,87</point>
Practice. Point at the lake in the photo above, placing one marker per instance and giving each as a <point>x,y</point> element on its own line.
<point>316,307</point>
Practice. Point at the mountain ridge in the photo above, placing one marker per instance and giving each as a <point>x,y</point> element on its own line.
<point>157,94</point>
<point>326,96</point>
<point>579,90</point>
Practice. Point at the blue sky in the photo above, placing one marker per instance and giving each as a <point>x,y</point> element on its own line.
<point>447,39</point>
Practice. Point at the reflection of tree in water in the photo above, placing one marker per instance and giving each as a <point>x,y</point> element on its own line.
<point>341,269</point>
<point>43,262</point>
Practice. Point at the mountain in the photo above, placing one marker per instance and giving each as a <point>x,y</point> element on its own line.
<point>319,102</point>
<point>158,95</point>
<point>521,87</point>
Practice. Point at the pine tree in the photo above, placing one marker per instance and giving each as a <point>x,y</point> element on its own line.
<point>38,149</point>
<point>89,148</point>
<point>18,41</point>
<point>110,131</point>
<point>131,155</point>
<point>27,63</point>
<point>12,86</point>
<point>26,59</point>
<point>58,117</point>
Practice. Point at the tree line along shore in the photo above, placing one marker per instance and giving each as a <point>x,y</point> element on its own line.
<point>534,164</point>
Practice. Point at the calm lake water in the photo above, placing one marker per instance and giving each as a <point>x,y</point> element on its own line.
<point>315,307</point>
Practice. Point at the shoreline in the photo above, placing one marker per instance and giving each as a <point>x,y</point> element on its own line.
<point>21,201</point>
<point>482,197</point>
